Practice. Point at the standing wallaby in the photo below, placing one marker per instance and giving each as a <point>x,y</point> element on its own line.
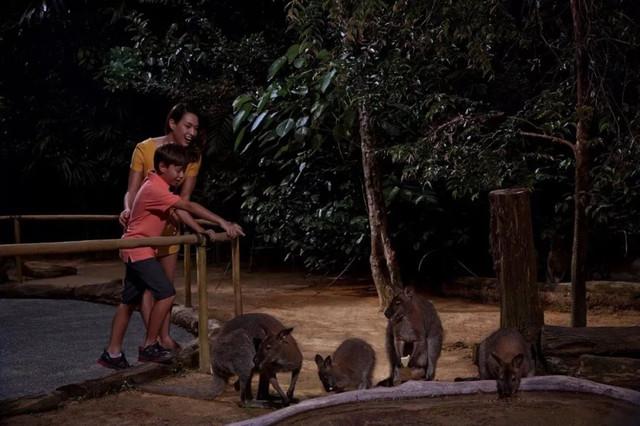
<point>279,352</point>
<point>233,352</point>
<point>350,368</point>
<point>414,329</point>
<point>506,357</point>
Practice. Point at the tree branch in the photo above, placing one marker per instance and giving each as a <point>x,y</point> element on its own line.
<point>551,138</point>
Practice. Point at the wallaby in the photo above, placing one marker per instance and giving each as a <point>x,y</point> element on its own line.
<point>279,352</point>
<point>351,366</point>
<point>414,329</point>
<point>558,260</point>
<point>506,357</point>
<point>233,352</point>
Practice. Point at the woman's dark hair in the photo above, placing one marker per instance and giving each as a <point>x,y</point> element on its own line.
<point>171,154</point>
<point>176,113</point>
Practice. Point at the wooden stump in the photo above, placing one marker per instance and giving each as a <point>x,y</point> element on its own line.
<point>616,371</point>
<point>573,342</point>
<point>514,261</point>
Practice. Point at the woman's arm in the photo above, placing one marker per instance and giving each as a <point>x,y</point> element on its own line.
<point>187,187</point>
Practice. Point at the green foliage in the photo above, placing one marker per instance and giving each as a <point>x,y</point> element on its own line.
<point>452,86</point>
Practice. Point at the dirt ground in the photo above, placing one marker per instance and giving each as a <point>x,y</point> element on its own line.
<point>323,313</point>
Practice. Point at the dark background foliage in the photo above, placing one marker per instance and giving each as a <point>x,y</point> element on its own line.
<point>452,84</point>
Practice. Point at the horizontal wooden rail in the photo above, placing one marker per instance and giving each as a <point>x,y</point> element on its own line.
<point>98,245</point>
<point>62,217</point>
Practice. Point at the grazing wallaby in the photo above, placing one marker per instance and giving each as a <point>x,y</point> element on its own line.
<point>350,368</point>
<point>506,357</point>
<point>558,260</point>
<point>233,352</point>
<point>279,352</point>
<point>414,329</point>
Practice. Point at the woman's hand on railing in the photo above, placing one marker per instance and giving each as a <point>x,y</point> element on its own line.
<point>124,218</point>
<point>232,229</point>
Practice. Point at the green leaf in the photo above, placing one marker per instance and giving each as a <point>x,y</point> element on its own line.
<point>258,120</point>
<point>276,66</point>
<point>239,138</point>
<point>239,118</point>
<point>241,100</point>
<point>285,127</point>
<point>299,62</point>
<point>293,52</point>
<point>326,80</point>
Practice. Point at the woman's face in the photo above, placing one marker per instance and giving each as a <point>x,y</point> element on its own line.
<point>184,131</point>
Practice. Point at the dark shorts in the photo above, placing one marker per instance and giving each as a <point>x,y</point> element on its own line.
<point>145,275</point>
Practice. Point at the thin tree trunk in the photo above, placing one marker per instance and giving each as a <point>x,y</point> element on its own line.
<point>384,265</point>
<point>581,196</point>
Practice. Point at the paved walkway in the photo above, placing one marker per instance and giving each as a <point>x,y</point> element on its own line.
<point>45,344</point>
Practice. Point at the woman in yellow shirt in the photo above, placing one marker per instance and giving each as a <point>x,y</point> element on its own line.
<point>181,127</point>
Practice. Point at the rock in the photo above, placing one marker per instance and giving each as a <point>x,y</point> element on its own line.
<point>36,269</point>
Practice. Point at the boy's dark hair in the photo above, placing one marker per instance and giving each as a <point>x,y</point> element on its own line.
<point>170,154</point>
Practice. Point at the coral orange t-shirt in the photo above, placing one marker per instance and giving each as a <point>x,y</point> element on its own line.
<point>149,215</point>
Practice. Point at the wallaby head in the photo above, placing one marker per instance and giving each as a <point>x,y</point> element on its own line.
<point>327,373</point>
<point>400,305</point>
<point>509,374</point>
<point>278,349</point>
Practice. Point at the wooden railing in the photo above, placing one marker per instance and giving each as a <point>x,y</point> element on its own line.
<point>64,247</point>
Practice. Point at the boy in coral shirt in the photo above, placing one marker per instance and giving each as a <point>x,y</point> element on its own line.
<point>152,207</point>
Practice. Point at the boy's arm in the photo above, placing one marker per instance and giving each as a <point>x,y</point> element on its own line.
<point>134,183</point>
<point>188,220</point>
<point>233,230</point>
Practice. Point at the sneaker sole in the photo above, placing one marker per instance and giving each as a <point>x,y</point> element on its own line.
<point>111,366</point>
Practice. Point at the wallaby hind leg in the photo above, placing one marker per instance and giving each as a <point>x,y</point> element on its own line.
<point>434,347</point>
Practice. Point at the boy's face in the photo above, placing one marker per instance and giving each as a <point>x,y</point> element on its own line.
<point>172,174</point>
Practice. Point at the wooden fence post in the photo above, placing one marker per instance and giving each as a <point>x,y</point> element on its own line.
<point>203,307</point>
<point>235,275</point>
<point>187,275</point>
<point>514,261</point>
<point>18,238</point>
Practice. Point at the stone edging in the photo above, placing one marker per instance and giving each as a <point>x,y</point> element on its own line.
<point>422,389</point>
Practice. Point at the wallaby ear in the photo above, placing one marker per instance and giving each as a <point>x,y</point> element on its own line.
<point>517,360</point>
<point>409,291</point>
<point>284,333</point>
<point>319,360</point>
<point>327,361</point>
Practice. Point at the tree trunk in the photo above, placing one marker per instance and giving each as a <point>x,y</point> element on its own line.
<point>384,265</point>
<point>514,261</point>
<point>581,195</point>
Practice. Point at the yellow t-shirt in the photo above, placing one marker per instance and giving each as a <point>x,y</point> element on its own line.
<point>142,159</point>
